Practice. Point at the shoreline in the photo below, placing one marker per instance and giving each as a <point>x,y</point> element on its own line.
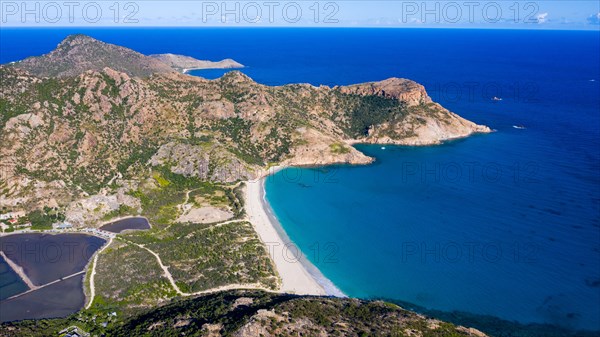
<point>187,70</point>
<point>298,275</point>
<point>19,271</point>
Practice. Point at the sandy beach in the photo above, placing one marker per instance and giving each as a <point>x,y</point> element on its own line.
<point>297,274</point>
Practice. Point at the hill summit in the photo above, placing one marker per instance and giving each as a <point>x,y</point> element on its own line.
<point>79,53</point>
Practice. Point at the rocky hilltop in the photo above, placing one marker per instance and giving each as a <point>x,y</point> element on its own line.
<point>185,63</point>
<point>74,119</point>
<point>79,53</point>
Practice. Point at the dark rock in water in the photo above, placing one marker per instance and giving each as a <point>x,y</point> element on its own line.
<point>552,211</point>
<point>423,297</point>
<point>556,310</point>
<point>594,283</point>
<point>498,327</point>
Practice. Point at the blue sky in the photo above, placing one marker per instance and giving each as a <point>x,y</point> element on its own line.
<point>505,14</point>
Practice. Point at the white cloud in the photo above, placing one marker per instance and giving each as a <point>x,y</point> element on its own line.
<point>542,17</point>
<point>594,19</point>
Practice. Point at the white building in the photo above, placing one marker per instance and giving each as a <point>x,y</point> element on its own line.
<point>64,225</point>
<point>27,224</point>
<point>12,215</point>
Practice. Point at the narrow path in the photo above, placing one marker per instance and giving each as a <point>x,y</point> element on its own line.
<point>162,266</point>
<point>168,275</point>
<point>19,270</point>
<point>254,286</point>
<point>93,273</point>
<point>48,284</point>
<point>219,224</point>
<point>165,268</point>
<point>182,205</point>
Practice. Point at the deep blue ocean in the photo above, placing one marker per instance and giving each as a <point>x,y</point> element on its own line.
<point>505,224</point>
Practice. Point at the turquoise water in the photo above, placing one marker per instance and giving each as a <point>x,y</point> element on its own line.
<point>452,228</point>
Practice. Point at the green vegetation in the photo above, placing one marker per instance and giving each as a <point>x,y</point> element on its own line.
<point>254,313</point>
<point>44,218</point>
<point>128,278</point>
<point>160,202</point>
<point>162,182</point>
<point>339,148</point>
<point>122,211</point>
<point>201,256</point>
<point>238,131</point>
<point>206,258</point>
<point>367,111</point>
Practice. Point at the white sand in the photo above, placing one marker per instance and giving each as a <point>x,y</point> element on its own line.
<point>296,279</point>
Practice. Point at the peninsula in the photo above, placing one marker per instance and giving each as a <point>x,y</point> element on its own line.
<point>186,63</point>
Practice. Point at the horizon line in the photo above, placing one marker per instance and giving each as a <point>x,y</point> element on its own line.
<point>591,29</point>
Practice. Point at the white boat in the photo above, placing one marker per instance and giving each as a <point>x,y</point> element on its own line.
<point>496,99</point>
<point>521,127</point>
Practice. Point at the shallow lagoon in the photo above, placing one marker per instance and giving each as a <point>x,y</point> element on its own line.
<point>10,282</point>
<point>135,223</point>
<point>57,300</point>
<point>46,258</point>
